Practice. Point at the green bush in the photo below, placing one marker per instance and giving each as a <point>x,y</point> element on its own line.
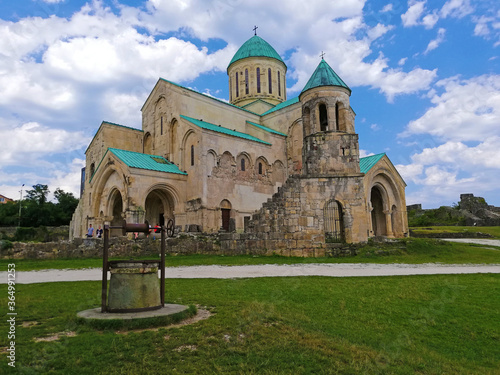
<point>5,245</point>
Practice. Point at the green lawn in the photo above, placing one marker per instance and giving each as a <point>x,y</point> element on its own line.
<point>443,324</point>
<point>414,251</point>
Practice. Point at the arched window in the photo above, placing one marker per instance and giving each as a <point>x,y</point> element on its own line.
<point>269,78</point>
<point>192,154</point>
<point>92,170</point>
<point>243,164</point>
<point>230,88</point>
<point>337,124</point>
<point>258,80</point>
<point>246,82</point>
<point>323,118</point>
<point>279,84</point>
<point>237,86</point>
<point>333,221</point>
<point>260,168</point>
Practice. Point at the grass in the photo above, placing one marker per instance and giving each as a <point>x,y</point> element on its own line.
<point>414,251</point>
<point>302,325</point>
<point>493,231</point>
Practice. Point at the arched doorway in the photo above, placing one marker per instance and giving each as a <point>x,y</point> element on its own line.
<point>116,211</point>
<point>379,226</point>
<point>225,207</point>
<point>333,222</point>
<point>159,207</point>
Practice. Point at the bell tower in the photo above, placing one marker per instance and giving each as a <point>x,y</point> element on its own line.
<point>330,143</point>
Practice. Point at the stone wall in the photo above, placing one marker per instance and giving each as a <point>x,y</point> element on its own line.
<point>119,246</point>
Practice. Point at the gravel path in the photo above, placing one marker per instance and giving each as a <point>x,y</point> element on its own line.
<point>268,270</point>
<point>479,241</point>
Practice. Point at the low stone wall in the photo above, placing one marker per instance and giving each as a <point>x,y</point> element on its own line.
<point>185,244</point>
<point>268,244</point>
<point>450,235</point>
<point>118,246</point>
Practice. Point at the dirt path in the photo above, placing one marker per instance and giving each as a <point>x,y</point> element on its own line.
<point>268,270</point>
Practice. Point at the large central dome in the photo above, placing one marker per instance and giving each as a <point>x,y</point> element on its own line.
<point>255,47</point>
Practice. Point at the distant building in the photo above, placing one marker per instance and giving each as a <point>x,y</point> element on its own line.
<point>4,199</point>
<point>289,169</point>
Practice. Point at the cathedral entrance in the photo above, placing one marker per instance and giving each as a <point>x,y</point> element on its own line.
<point>333,222</point>
<point>159,207</point>
<point>116,208</point>
<point>225,207</point>
<point>379,226</point>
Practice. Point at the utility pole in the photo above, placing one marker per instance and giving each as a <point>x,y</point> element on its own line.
<point>20,200</point>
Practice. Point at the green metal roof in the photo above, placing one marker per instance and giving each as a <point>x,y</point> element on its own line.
<point>367,163</point>
<point>219,129</point>
<point>146,161</point>
<point>324,75</point>
<point>255,47</point>
<point>282,105</point>
<point>266,128</point>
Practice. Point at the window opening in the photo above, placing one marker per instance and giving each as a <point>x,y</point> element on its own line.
<point>237,86</point>
<point>192,154</point>
<point>260,168</point>
<point>258,80</point>
<point>246,81</point>
<point>243,165</point>
<point>279,84</point>
<point>337,116</point>
<point>333,222</point>
<point>270,81</point>
<point>161,125</point>
<point>323,118</point>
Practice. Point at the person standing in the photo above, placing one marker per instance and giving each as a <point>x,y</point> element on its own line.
<point>90,232</point>
<point>98,232</point>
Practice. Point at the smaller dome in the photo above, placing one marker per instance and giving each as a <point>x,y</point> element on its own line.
<point>324,75</point>
<point>255,47</point>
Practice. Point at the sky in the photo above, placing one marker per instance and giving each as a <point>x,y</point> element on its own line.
<point>424,75</point>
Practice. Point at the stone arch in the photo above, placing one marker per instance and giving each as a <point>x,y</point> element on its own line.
<point>333,221</point>
<point>189,149</point>
<point>160,115</point>
<point>148,143</point>
<point>159,206</point>
<point>379,209</point>
<point>226,161</point>
<point>226,214</point>
<point>243,163</point>
<point>115,211</point>
<point>92,170</point>
<point>261,166</point>
<point>112,177</point>
<point>211,162</point>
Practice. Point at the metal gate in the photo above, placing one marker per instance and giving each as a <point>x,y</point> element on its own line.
<point>334,226</point>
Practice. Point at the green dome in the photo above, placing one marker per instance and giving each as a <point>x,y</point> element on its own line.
<point>324,75</point>
<point>255,47</point>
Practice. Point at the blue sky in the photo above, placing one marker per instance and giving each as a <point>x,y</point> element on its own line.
<point>425,78</point>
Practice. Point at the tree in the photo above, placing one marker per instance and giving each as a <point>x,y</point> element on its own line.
<point>38,194</point>
<point>66,205</point>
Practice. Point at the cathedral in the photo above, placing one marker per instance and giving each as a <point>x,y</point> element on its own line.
<point>286,170</point>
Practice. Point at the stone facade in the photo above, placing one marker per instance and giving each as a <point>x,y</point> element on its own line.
<point>286,171</point>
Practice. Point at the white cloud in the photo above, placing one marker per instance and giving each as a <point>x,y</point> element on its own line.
<point>68,179</point>
<point>386,8</point>
<point>467,110</point>
<point>402,61</point>
<point>430,20</point>
<point>32,140</point>
<point>433,44</point>
<point>413,14</point>
<point>456,8</point>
